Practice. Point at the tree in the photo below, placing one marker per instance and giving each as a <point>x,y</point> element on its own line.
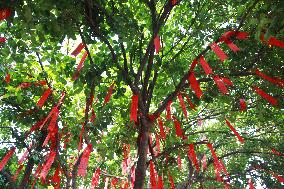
<point>138,53</point>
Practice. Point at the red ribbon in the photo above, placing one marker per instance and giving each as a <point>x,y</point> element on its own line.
<point>227,81</point>
<point>17,172</point>
<point>171,181</point>
<point>192,156</point>
<point>217,166</point>
<point>181,102</point>
<point>251,186</point>
<point>80,65</point>
<point>78,49</point>
<point>47,165</point>
<point>205,66</point>
<point>193,65</point>
<point>224,168</point>
<point>5,13</point>
<point>96,178</point>
<point>238,35</point>
<point>204,163</point>
<point>132,175</point>
<point>235,132</point>
<point>52,128</point>
<point>36,174</point>
<point>8,78</point>
<point>218,51</point>
<point>82,169</point>
<point>44,98</point>
<point>266,96</point>
<point>157,144</point>
<point>174,2</point>
<point>243,104</point>
<point>161,126</point>
<point>220,84</point>
<point>194,85</point>
<point>2,39</point>
<point>22,159</point>
<point>157,44</point>
<point>273,41</point>
<point>109,93</point>
<point>56,178</point>
<point>93,116</point>
<point>178,128</point>
<point>275,81</point>
<point>160,182</point>
<point>168,110</point>
<point>191,105</point>
<point>153,176</point>
<point>114,182</point>
<point>274,151</point>
<point>231,45</point>
<point>7,157</point>
<point>134,108</point>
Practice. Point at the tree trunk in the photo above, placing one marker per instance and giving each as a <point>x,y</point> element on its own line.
<point>140,171</point>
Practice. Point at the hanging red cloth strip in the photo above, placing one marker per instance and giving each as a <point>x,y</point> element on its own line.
<point>22,159</point>
<point>218,51</point>
<point>80,65</point>
<point>36,174</point>
<point>179,162</point>
<point>44,98</point>
<point>7,157</point>
<point>47,165</point>
<point>191,105</point>
<point>217,166</point>
<point>157,43</point>
<point>158,144</point>
<point>204,163</point>
<point>82,168</point>
<point>243,105</point>
<point>17,172</point>
<point>132,175</point>
<point>161,126</point>
<point>231,45</point>
<point>224,168</point>
<point>274,151</point>
<point>174,2</point>
<point>5,13</point>
<point>192,65</point>
<point>251,186</point>
<point>192,156</point>
<point>134,108</point>
<point>238,35</point>
<point>205,66</point>
<point>266,96</point>
<point>153,176</point>
<point>93,116</point>
<point>220,84</point>
<point>235,132</point>
<point>160,182</point>
<point>227,81</point>
<point>78,49</point>
<point>109,93</point>
<point>171,181</point>
<point>273,41</point>
<point>194,85</point>
<point>2,39</point>
<point>113,183</point>
<point>181,102</point>
<point>168,110</point>
<point>275,81</point>
<point>7,78</point>
<point>96,178</point>
<point>178,128</point>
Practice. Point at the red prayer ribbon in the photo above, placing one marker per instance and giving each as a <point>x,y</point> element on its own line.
<point>243,104</point>
<point>235,132</point>
<point>160,182</point>
<point>2,39</point>
<point>114,182</point>
<point>5,13</point>
<point>109,93</point>
<point>132,175</point>
<point>178,129</point>
<point>161,126</point>
<point>275,81</point>
<point>157,144</point>
<point>266,96</point>
<point>251,186</point>
<point>44,98</point>
<point>153,176</point>
<point>134,108</point>
<point>174,2</point>
<point>192,156</point>
<point>273,41</point>
<point>194,85</point>
<point>204,163</point>
<point>274,151</point>
<point>96,178</point>
<point>220,84</point>
<point>171,181</point>
<point>227,81</point>
<point>17,172</point>
<point>80,65</point>
<point>157,43</point>
<point>47,165</point>
<point>7,157</point>
<point>205,66</point>
<point>78,49</point>
<point>82,169</point>
<point>192,66</point>
<point>191,105</point>
<point>218,51</point>
<point>238,35</point>
<point>7,78</point>
<point>217,166</point>
<point>181,102</point>
<point>231,45</point>
<point>168,110</point>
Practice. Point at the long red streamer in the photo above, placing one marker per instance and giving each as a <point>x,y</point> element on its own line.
<point>235,132</point>
<point>96,178</point>
<point>204,163</point>
<point>109,93</point>
<point>157,44</point>
<point>152,176</point>
<point>80,65</point>
<point>231,45</point>
<point>7,157</point>
<point>273,41</point>
<point>17,172</point>
<point>194,85</point>
<point>205,66</point>
<point>168,110</point>
<point>47,165</point>
<point>134,108</point>
<point>220,84</point>
<point>275,81</point>
<point>193,65</point>
<point>171,181</point>
<point>191,105</point>
<point>178,128</point>
<point>78,49</point>
<point>192,156</point>
<point>266,96</point>
<point>274,151</point>
<point>181,102</point>
<point>8,78</point>
<point>160,182</point>
<point>251,186</point>
<point>227,81</point>
<point>161,126</point>
<point>82,169</point>
<point>217,166</point>
<point>243,104</point>
<point>5,13</point>
<point>179,162</point>
<point>218,51</point>
<point>44,98</point>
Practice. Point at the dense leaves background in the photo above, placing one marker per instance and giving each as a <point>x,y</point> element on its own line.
<point>117,34</point>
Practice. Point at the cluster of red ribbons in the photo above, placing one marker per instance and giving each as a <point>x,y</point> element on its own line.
<point>84,160</point>
<point>96,178</point>
<point>6,158</point>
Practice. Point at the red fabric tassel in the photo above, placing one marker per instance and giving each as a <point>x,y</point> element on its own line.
<point>220,84</point>
<point>113,183</point>
<point>109,93</point>
<point>266,96</point>
<point>161,126</point>
<point>235,132</point>
<point>82,169</point>
<point>17,172</point>
<point>181,102</point>
<point>168,110</point>
<point>157,43</point>
<point>157,144</point>
<point>243,104</point>
<point>194,85</point>
<point>273,41</point>
<point>191,105</point>
<point>134,108</point>
<point>274,151</point>
<point>160,182</point>
<point>251,186</point>
<point>153,176</point>
<point>205,66</point>
<point>93,116</point>
<point>217,166</point>
<point>238,35</point>
<point>8,78</point>
<point>2,39</point>
<point>96,178</point>
<point>179,131</point>
<point>78,49</point>
<point>218,51</point>
<point>179,162</point>
<point>44,98</point>
<point>193,65</point>
<point>171,181</point>
<point>7,157</point>
<point>5,13</point>
<point>192,156</point>
<point>204,163</point>
<point>227,81</point>
<point>47,165</point>
<point>231,45</point>
<point>80,65</point>
<point>275,81</point>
